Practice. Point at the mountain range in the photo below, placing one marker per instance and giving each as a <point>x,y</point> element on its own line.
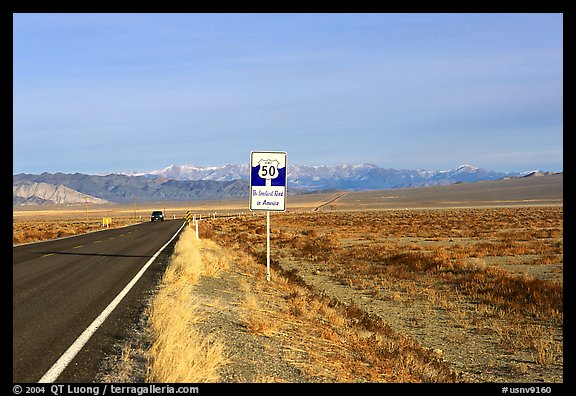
<point>188,182</point>
<point>344,176</point>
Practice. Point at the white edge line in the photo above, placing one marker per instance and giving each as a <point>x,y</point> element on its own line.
<point>54,372</point>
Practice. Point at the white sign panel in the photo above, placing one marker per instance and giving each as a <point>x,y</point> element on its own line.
<point>268,180</point>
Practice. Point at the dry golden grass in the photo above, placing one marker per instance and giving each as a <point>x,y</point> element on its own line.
<point>180,353</point>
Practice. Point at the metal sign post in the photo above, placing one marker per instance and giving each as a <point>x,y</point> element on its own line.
<point>268,188</point>
<point>267,245</point>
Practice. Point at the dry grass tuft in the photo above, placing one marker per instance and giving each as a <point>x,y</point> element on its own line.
<point>254,319</point>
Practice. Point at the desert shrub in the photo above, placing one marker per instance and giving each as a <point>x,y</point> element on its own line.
<point>205,230</point>
<point>520,293</point>
<point>320,247</point>
<point>414,262</point>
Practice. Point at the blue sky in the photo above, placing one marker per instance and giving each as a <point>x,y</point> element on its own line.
<point>100,93</point>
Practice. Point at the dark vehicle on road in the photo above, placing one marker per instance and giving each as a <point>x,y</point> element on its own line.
<point>157,215</point>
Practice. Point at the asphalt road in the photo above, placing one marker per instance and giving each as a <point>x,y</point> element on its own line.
<point>61,286</point>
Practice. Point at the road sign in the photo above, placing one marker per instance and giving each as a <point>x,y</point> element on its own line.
<point>268,180</point>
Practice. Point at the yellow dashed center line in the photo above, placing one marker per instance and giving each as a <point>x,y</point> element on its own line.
<point>77,247</point>
<point>49,254</point>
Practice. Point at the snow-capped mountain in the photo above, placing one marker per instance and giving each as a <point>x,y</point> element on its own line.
<point>190,172</point>
<point>343,176</point>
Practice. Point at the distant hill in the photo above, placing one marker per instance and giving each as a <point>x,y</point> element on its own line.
<point>187,183</point>
<point>33,193</point>
<point>535,189</point>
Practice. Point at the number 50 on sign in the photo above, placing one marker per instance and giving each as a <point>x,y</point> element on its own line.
<point>268,180</point>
